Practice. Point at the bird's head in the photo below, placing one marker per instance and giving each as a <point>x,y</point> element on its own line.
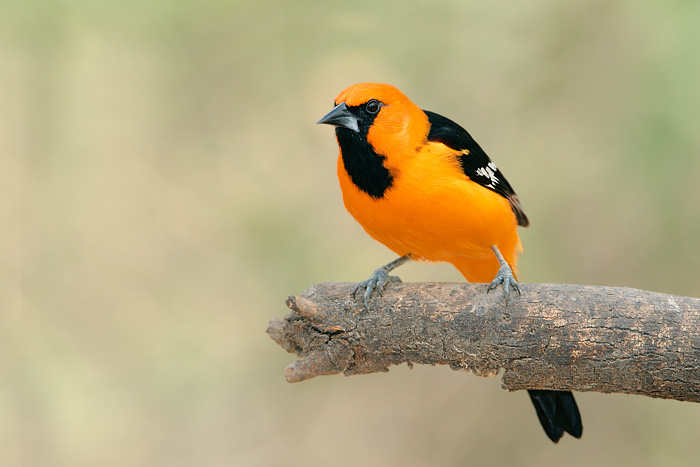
<point>381,114</point>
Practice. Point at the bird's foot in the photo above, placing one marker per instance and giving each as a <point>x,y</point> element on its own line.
<point>504,276</point>
<point>376,282</point>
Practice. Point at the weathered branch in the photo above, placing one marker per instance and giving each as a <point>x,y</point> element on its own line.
<point>554,336</point>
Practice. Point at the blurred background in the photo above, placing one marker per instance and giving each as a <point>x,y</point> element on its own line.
<point>164,187</point>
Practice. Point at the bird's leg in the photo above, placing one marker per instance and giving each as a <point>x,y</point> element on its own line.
<point>503,276</point>
<point>379,279</point>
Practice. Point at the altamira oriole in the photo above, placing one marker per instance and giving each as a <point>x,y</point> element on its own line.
<point>419,183</point>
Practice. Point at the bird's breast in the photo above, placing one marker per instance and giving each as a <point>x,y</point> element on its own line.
<point>431,210</point>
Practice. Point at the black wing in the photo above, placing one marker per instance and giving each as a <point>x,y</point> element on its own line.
<point>475,163</point>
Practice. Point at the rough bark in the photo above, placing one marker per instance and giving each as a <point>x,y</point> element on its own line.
<point>553,336</point>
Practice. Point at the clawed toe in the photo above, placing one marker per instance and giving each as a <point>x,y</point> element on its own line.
<point>504,277</point>
<point>379,279</point>
<point>375,283</point>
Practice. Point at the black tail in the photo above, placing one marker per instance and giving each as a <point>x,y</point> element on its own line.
<point>557,412</point>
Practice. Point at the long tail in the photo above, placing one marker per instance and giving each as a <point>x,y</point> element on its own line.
<point>558,412</point>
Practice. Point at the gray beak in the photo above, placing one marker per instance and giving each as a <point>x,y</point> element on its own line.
<point>341,116</point>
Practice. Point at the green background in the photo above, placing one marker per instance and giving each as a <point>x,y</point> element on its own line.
<point>164,187</point>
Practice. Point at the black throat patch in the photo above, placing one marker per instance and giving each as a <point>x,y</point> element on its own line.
<point>363,164</point>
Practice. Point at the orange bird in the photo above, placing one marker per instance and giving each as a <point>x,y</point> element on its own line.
<point>419,183</point>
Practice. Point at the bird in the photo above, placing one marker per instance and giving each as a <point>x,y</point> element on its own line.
<point>418,183</point>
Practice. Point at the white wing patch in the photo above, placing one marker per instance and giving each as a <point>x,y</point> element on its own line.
<point>489,172</point>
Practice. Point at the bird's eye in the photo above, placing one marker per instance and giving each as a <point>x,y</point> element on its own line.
<point>373,106</point>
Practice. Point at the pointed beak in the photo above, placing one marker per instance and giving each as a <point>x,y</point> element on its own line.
<point>341,116</point>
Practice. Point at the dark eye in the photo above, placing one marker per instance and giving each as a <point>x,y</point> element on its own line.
<point>373,106</point>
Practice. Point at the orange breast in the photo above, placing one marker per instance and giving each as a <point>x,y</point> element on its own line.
<point>435,213</point>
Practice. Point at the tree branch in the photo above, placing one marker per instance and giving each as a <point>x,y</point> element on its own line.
<point>554,336</point>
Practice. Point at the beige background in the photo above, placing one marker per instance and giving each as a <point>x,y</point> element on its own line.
<point>163,188</point>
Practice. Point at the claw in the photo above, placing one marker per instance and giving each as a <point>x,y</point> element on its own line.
<point>379,279</point>
<point>505,277</point>
<point>376,282</point>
